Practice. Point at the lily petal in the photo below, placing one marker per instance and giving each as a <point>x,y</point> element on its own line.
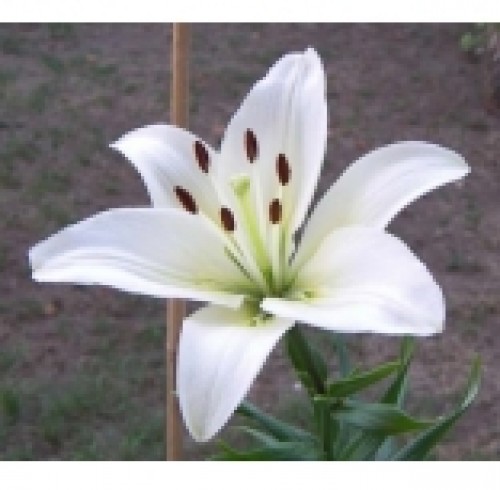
<point>286,111</point>
<point>378,185</point>
<point>221,351</point>
<point>148,251</point>
<point>364,280</point>
<point>166,157</point>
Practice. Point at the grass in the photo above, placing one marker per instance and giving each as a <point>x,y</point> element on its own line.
<point>10,405</point>
<point>58,136</point>
<point>53,63</point>
<point>49,182</point>
<point>92,69</point>
<point>60,31</point>
<point>144,438</point>
<point>8,358</point>
<point>82,398</point>
<point>7,77</point>
<point>480,312</point>
<point>8,176</point>
<point>95,414</point>
<point>13,46</point>
<point>27,309</point>
<point>55,213</point>
<point>3,256</point>
<point>152,335</point>
<point>130,88</point>
<point>472,213</point>
<point>40,97</point>
<point>459,263</point>
<point>12,153</point>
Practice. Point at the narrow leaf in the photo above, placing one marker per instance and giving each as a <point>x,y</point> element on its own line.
<point>419,448</point>
<point>276,428</point>
<point>305,358</point>
<point>377,417</point>
<point>281,451</point>
<point>397,390</point>
<point>369,446</point>
<point>352,384</point>
<point>261,437</point>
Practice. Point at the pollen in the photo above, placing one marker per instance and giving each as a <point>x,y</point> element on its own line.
<point>202,156</point>
<point>283,169</point>
<point>275,211</point>
<point>227,219</point>
<point>186,199</point>
<point>251,145</point>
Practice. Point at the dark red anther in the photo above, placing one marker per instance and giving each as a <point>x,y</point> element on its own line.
<point>202,156</point>
<point>186,199</point>
<point>251,145</point>
<point>275,211</point>
<point>283,169</point>
<point>227,219</point>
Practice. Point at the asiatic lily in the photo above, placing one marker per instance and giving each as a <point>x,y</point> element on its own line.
<point>224,229</point>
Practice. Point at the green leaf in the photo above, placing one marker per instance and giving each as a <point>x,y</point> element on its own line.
<point>306,359</point>
<point>262,438</point>
<point>397,390</point>
<point>377,417</point>
<point>352,384</point>
<point>370,446</point>
<point>361,445</point>
<point>281,451</point>
<point>419,448</point>
<point>276,428</point>
<point>326,427</point>
<point>386,449</point>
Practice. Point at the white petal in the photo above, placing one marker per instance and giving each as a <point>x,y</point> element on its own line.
<point>287,112</point>
<point>220,353</point>
<point>365,280</point>
<point>165,158</point>
<point>157,252</point>
<point>378,185</point>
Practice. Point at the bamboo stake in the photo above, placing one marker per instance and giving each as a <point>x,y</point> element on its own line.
<point>176,308</point>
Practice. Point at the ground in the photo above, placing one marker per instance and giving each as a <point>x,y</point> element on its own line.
<point>82,369</point>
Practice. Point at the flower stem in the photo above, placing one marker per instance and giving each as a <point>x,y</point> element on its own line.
<point>312,371</point>
<point>324,427</point>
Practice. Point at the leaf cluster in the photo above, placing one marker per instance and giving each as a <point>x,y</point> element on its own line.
<point>344,426</point>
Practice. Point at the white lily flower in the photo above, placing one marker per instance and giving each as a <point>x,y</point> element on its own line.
<point>222,230</point>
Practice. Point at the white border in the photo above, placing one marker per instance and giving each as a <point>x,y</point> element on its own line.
<point>251,476</point>
<point>250,11</point>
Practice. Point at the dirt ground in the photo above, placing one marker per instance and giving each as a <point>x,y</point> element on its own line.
<point>82,369</point>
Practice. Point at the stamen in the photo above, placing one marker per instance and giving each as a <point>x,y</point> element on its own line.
<point>251,145</point>
<point>283,169</point>
<point>275,211</point>
<point>186,199</point>
<point>227,219</point>
<point>202,156</point>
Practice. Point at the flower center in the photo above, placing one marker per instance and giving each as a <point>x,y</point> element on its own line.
<point>253,217</point>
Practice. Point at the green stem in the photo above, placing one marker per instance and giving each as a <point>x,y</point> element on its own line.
<point>324,427</point>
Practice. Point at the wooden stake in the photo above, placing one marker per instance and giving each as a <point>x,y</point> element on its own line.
<point>176,309</point>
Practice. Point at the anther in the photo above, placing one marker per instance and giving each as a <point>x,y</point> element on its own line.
<point>186,199</point>
<point>283,169</point>
<point>202,156</point>
<point>275,211</point>
<point>251,145</point>
<point>227,219</point>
